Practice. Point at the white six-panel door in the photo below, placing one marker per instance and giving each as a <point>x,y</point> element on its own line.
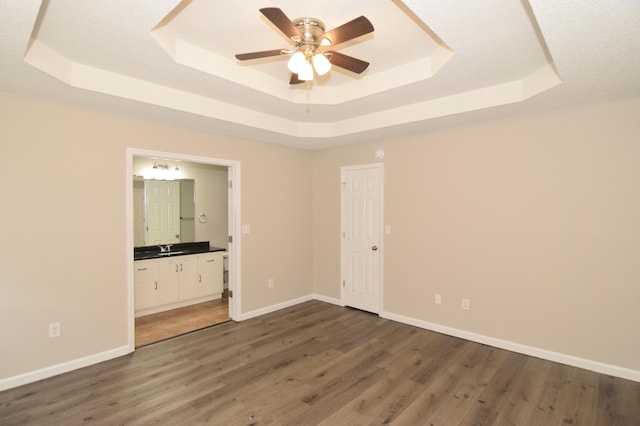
<point>361,244</point>
<point>163,211</point>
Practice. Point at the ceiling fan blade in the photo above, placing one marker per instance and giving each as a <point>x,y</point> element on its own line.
<point>352,29</point>
<point>256,55</point>
<point>347,62</point>
<point>295,79</point>
<point>282,22</point>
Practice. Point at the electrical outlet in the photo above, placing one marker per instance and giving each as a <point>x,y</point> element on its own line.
<point>54,329</point>
<point>270,283</point>
<point>466,304</point>
<point>438,299</point>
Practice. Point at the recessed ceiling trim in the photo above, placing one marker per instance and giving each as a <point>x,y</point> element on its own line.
<point>197,58</point>
<point>98,80</point>
<point>501,94</point>
<point>200,59</point>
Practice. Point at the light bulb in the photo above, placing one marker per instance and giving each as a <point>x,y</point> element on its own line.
<point>306,73</point>
<point>296,62</point>
<point>321,64</point>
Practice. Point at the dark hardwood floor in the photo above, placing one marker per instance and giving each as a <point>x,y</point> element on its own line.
<point>316,363</point>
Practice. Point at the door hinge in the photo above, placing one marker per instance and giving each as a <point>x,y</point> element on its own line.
<point>230,184</point>
<point>230,238</point>
<point>230,293</point>
<point>343,283</point>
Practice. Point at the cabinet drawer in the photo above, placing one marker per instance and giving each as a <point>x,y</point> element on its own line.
<point>209,258</point>
<point>145,267</point>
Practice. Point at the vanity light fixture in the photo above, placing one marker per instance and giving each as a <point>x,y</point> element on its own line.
<point>162,171</point>
<point>163,166</point>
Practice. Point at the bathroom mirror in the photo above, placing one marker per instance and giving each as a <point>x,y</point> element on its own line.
<point>163,211</point>
<point>204,194</point>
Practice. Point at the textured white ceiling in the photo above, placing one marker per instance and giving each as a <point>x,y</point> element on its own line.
<point>433,63</point>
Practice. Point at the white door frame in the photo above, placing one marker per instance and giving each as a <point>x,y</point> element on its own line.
<point>233,221</point>
<point>344,169</point>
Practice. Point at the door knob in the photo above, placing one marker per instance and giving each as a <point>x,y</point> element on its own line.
<point>374,248</point>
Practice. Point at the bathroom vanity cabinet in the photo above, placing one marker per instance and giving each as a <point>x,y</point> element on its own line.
<point>173,282</point>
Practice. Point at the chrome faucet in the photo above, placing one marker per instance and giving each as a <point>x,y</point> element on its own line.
<point>164,249</point>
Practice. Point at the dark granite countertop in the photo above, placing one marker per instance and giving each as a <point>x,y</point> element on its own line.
<point>180,249</point>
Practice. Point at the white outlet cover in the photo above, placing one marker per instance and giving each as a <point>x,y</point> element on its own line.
<point>54,329</point>
<point>246,228</point>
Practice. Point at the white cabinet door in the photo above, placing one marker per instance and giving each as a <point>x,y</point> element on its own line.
<point>188,271</point>
<point>146,288</point>
<point>169,281</point>
<point>210,274</point>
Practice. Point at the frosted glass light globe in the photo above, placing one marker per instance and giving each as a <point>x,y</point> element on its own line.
<point>321,64</point>
<point>296,62</point>
<point>306,73</point>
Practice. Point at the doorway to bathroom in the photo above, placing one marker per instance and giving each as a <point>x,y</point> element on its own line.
<point>160,305</point>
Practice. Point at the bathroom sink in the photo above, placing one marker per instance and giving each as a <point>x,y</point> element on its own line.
<point>170,253</point>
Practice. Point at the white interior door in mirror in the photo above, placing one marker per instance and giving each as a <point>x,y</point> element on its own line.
<point>163,211</point>
<point>139,231</point>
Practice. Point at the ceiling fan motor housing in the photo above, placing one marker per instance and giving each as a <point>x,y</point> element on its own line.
<point>312,29</point>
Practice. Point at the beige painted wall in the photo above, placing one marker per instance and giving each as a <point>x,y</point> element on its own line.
<point>63,212</point>
<point>535,219</point>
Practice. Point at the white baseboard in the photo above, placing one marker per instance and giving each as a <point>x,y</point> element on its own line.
<point>574,361</point>
<point>54,370</point>
<point>613,370</point>
<point>273,308</point>
<point>326,299</point>
<point>288,303</point>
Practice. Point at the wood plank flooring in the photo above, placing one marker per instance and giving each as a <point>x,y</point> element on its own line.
<point>163,325</point>
<point>319,364</point>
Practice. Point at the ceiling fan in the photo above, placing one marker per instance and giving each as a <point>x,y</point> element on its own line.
<point>310,39</point>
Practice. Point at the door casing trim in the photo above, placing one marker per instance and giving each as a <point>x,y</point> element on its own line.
<point>233,224</point>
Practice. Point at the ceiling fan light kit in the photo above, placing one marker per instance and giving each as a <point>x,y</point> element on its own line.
<point>308,35</point>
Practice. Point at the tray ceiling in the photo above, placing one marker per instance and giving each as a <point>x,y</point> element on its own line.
<point>432,62</point>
